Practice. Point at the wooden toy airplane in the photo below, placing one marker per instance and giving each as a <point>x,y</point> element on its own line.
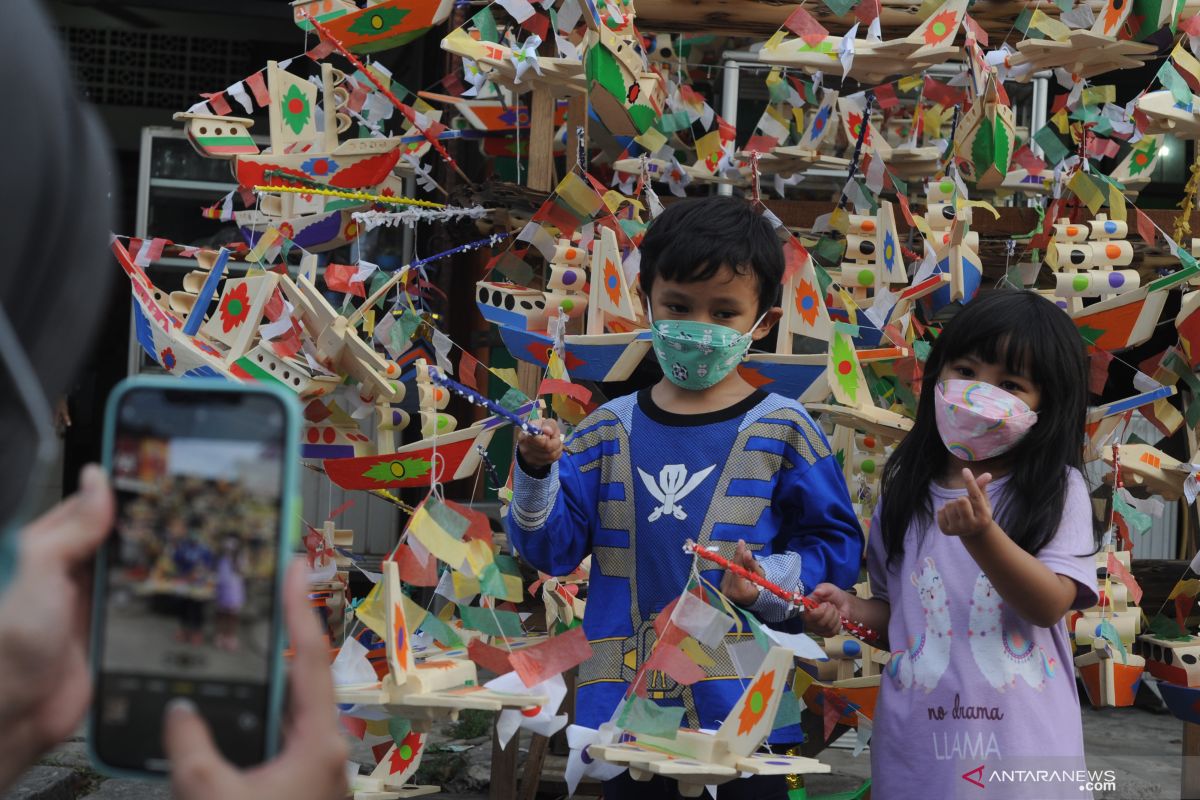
<point>436,688</point>
<point>699,758</point>
<point>1167,117</point>
<point>932,42</point>
<point>1085,53</point>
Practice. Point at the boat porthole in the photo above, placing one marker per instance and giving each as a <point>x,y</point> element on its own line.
<point>510,302</point>
<point>203,131</point>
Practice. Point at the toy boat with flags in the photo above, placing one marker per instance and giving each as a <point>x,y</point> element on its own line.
<point>302,153</point>
<point>1127,320</point>
<point>380,25</point>
<point>603,341</point>
<point>875,61</point>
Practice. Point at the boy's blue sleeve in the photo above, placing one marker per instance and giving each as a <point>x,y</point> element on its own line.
<point>550,518</point>
<point>820,539</point>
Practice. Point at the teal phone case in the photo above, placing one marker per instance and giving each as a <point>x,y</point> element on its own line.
<point>288,536</point>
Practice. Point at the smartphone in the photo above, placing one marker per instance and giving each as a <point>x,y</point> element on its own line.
<point>188,586</point>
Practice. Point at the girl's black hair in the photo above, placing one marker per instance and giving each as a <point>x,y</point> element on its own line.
<point>693,238</point>
<point>1032,337</point>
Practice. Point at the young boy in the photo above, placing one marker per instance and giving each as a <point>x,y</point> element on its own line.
<point>701,455</point>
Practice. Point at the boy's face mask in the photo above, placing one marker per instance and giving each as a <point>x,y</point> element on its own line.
<point>698,355</point>
<point>28,389</point>
<point>978,421</point>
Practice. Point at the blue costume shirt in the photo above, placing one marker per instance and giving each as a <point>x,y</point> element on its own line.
<point>635,482</point>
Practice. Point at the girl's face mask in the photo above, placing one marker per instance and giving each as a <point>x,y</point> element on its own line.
<point>978,421</point>
<point>698,355</point>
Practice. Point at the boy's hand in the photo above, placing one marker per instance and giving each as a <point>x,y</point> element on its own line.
<point>544,450</point>
<point>737,588</point>
<point>826,619</point>
<point>971,515</point>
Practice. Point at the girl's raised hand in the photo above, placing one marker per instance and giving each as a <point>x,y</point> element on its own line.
<point>971,515</point>
<point>826,619</point>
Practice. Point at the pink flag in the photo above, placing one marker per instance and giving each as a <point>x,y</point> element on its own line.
<point>805,25</point>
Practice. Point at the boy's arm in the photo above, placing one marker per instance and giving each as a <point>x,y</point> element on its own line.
<point>820,540</point>
<point>548,523</point>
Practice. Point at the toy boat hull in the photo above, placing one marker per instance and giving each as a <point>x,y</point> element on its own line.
<point>862,692</point>
<point>600,357</point>
<point>385,25</point>
<point>315,233</point>
<point>412,465</point>
<point>356,164</point>
<point>1125,320</point>
<point>798,376</point>
<point>1125,679</point>
<point>1182,701</point>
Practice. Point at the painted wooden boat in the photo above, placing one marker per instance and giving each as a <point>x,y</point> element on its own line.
<point>382,25</point>
<point>413,465</point>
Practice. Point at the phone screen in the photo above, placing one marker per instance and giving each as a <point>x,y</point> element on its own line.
<point>191,571</point>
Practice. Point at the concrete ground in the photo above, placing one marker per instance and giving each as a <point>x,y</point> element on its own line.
<point>1141,746</point>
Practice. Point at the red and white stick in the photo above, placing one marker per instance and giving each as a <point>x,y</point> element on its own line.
<point>856,629</point>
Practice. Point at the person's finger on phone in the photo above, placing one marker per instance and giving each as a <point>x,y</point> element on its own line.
<point>74,529</point>
<point>197,769</point>
<point>314,713</point>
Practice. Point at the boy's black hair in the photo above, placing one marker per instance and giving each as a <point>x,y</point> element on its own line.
<point>695,237</point>
<point>1030,336</point>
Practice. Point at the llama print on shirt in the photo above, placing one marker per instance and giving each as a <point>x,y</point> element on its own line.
<point>923,663</point>
<point>1002,652</point>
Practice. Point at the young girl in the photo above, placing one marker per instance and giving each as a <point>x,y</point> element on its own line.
<point>982,541</point>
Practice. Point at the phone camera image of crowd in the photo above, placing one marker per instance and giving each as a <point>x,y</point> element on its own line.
<point>195,552</point>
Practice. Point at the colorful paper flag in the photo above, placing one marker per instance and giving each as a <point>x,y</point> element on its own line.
<point>551,657</point>
<point>805,25</point>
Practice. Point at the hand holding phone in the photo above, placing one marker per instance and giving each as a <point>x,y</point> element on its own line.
<point>44,681</point>
<point>188,587</point>
<point>313,761</point>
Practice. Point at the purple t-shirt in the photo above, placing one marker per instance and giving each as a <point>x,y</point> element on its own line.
<point>970,683</point>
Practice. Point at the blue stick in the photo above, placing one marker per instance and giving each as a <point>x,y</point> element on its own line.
<point>476,398</point>
<point>200,307</point>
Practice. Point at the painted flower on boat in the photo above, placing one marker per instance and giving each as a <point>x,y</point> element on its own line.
<point>167,359</point>
<point>807,302</point>
<point>756,703</point>
<point>398,470</point>
<point>612,282</point>
<point>321,167</point>
<point>287,232</point>
<point>295,109</point>
<point>235,307</point>
<point>942,26</point>
<point>1112,16</point>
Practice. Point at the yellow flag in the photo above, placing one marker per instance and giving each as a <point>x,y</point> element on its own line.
<point>1097,95</point>
<point>1051,27</point>
<point>910,82</point>
<point>695,652</point>
<point>371,612</point>
<point>1187,588</point>
<point>653,139</point>
<point>775,40</point>
<point>464,585</point>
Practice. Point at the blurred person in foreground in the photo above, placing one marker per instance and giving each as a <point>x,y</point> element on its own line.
<point>57,214</point>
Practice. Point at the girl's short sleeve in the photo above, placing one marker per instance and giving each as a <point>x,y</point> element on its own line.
<point>1072,550</point>
<point>877,569</point>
